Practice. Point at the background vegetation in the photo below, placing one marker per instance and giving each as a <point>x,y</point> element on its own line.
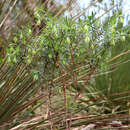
<point>63,68</point>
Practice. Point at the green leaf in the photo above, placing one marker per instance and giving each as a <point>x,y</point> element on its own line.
<point>87,39</point>
<point>29,60</point>
<point>36,14</point>
<point>21,35</point>
<point>86,28</point>
<point>99,57</point>
<point>17,50</point>
<point>113,43</point>
<point>56,47</point>
<point>15,39</point>
<point>92,46</point>
<point>29,31</point>
<point>68,40</point>
<point>123,38</point>
<point>24,42</point>
<point>121,20</point>
<point>35,76</point>
<point>9,59</point>
<point>33,51</point>
<point>14,59</point>
<point>63,61</point>
<point>50,56</point>
<point>1,59</point>
<point>38,22</point>
<point>68,102</point>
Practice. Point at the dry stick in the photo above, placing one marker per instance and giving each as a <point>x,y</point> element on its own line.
<point>69,123</point>
<point>81,91</point>
<point>83,11</point>
<point>48,112</point>
<point>73,75</point>
<point>103,73</point>
<point>47,105</point>
<point>18,96</point>
<point>43,119</point>
<point>67,73</point>
<point>9,12</point>
<point>107,11</point>
<point>52,8</point>
<point>11,82</point>
<point>121,54</point>
<point>62,9</point>
<point>34,27</point>
<point>3,2</point>
<point>27,104</point>
<point>65,99</point>
<point>113,65</point>
<point>89,76</point>
<point>79,67</point>
<point>24,11</point>
<point>47,2</point>
<point>106,117</point>
<point>108,95</point>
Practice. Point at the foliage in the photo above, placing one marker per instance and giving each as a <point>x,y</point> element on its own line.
<point>61,40</point>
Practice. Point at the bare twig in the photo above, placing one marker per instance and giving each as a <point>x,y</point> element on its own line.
<point>121,54</point>
<point>83,11</point>
<point>9,12</point>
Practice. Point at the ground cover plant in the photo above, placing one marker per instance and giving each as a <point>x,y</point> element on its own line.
<point>63,72</point>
